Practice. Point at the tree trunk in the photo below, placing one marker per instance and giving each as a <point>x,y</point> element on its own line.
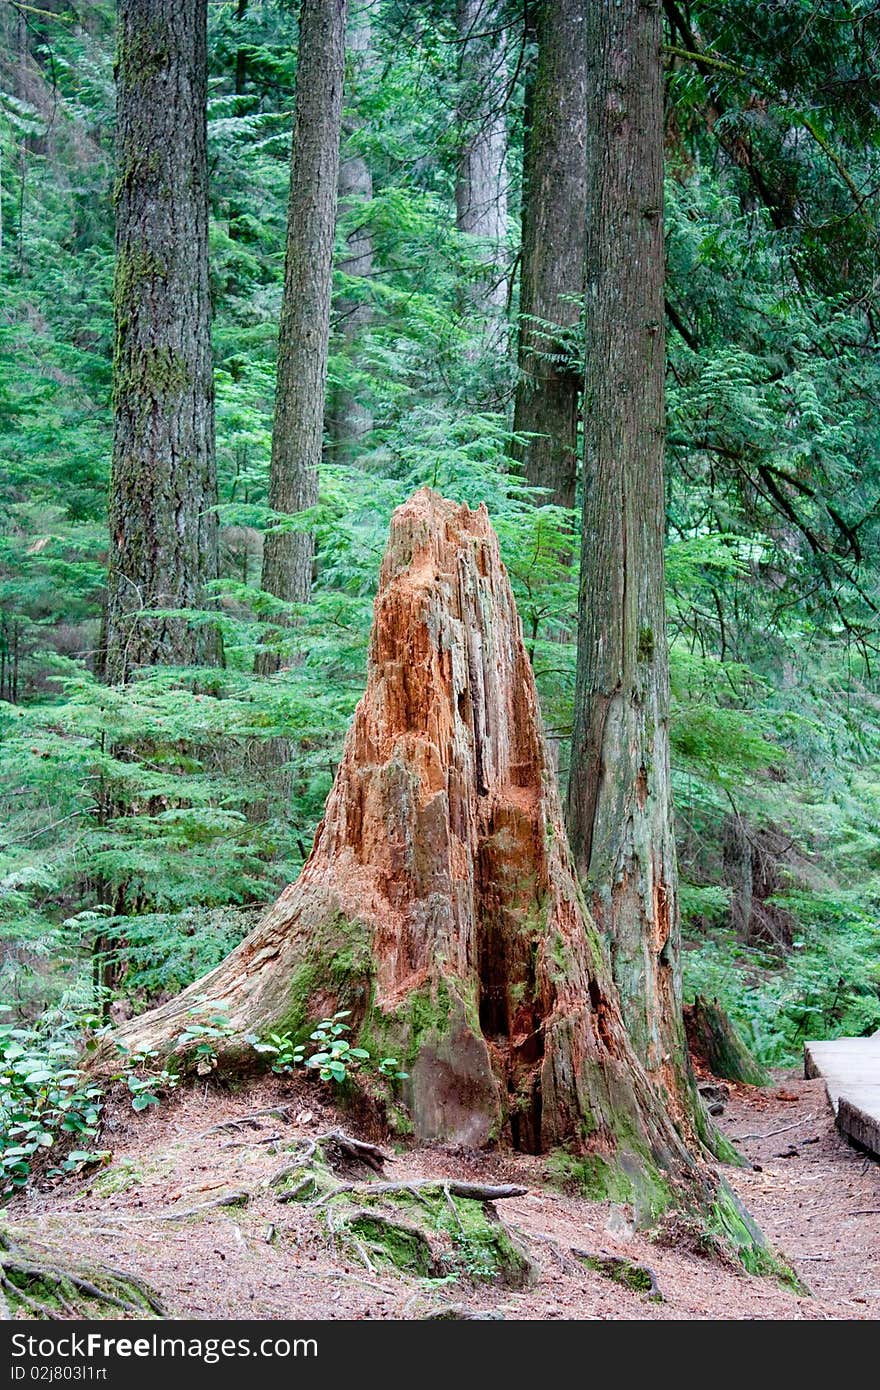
<point>348,419</point>
<point>619,796</point>
<point>439,902</point>
<point>481,186</point>
<point>715,1044</point>
<point>304,331</point>
<point>552,264</point>
<point>163,492</point>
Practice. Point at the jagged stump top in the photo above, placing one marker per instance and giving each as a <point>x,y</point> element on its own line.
<point>439,902</point>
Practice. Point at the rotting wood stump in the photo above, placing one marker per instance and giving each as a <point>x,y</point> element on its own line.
<point>439,903</point>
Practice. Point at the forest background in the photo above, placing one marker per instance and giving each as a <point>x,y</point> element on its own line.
<point>145,828</point>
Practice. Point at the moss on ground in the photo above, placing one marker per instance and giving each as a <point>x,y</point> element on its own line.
<point>393,1244</point>
<point>625,1272</point>
<point>120,1178</point>
<point>46,1284</point>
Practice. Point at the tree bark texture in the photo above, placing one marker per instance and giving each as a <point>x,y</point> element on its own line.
<point>481,185</point>
<point>304,330</point>
<point>439,902</point>
<point>163,494</point>
<point>619,796</point>
<point>716,1045</point>
<point>348,419</point>
<point>552,266</point>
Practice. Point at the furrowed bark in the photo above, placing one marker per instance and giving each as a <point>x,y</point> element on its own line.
<point>163,492</point>
<point>619,794</point>
<point>349,420</point>
<point>304,331</point>
<point>552,266</point>
<point>481,186</point>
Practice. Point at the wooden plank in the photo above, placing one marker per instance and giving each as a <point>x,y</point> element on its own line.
<point>850,1068</point>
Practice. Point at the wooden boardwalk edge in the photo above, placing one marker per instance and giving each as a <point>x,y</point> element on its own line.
<point>850,1068</point>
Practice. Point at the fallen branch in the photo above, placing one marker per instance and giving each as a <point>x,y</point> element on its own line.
<point>783,1129</point>
<point>865,1211</point>
<point>472,1191</point>
<point>419,1188</point>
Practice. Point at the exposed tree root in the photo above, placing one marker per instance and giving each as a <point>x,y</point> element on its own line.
<point>239,1198</point>
<point>460,1312</point>
<point>47,1285</point>
<point>336,1147</point>
<point>251,1121</point>
<point>424,1227</point>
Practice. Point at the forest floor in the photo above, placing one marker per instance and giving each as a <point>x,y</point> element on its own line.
<point>816,1199</point>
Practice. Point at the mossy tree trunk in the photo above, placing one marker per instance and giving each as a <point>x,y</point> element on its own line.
<point>163,491</point>
<point>552,266</point>
<point>619,808</point>
<point>714,1041</point>
<point>304,330</point>
<point>349,419</point>
<point>439,902</point>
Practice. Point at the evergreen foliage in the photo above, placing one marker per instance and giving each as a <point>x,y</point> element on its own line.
<point>141,831</point>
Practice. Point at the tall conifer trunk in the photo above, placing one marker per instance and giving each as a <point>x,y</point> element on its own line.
<point>348,418</point>
<point>619,796</point>
<point>163,493</point>
<point>552,266</point>
<point>304,331</point>
<point>481,185</point>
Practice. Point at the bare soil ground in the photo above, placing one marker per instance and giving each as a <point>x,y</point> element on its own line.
<point>816,1199</point>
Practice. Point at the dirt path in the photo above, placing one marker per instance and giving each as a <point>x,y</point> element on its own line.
<point>814,1196</point>
<point>272,1260</point>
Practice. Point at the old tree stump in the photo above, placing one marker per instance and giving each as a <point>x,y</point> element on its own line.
<point>439,903</point>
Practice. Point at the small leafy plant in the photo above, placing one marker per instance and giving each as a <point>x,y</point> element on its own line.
<point>333,1056</point>
<point>42,1100</point>
<point>286,1055</point>
<point>202,1038</point>
<point>145,1084</point>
